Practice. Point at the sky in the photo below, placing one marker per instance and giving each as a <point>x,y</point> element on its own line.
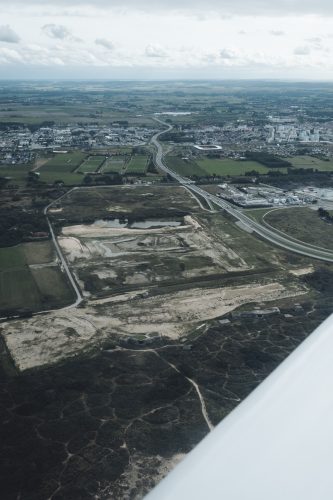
<point>166,39</point>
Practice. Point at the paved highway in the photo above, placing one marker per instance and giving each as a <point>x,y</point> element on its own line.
<point>269,234</point>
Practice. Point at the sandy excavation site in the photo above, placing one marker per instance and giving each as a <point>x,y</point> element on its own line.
<point>108,259</point>
<point>141,284</point>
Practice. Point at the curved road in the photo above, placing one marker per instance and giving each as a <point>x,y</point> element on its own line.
<point>268,234</point>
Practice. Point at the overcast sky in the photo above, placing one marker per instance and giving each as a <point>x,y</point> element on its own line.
<point>285,39</point>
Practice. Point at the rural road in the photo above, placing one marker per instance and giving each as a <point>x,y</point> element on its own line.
<point>269,234</point>
<point>79,297</point>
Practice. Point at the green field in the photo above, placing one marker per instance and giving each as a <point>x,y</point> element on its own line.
<point>114,165</point>
<point>31,288</point>
<point>59,293</point>
<point>18,290</point>
<point>209,167</point>
<point>62,167</point>
<point>12,258</point>
<point>310,162</point>
<point>18,173</point>
<point>184,167</point>
<point>137,165</point>
<point>41,252</point>
<point>230,167</point>
<point>66,162</point>
<point>67,178</point>
<point>91,164</point>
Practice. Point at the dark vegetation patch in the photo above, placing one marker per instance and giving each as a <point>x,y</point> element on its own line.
<point>267,159</point>
<point>18,225</point>
<point>321,280</point>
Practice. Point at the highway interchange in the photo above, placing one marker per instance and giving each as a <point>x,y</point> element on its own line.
<point>269,234</point>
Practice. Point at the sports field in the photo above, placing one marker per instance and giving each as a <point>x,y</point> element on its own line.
<point>114,165</point>
<point>137,165</point>
<point>310,162</point>
<point>91,164</point>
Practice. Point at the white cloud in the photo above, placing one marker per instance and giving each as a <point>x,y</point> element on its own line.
<point>315,39</point>
<point>57,31</point>
<point>227,54</point>
<point>155,51</point>
<point>168,40</point>
<point>277,32</point>
<point>9,56</point>
<point>104,42</point>
<point>7,34</point>
<point>302,51</point>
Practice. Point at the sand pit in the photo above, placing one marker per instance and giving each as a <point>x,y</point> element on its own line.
<point>97,231</point>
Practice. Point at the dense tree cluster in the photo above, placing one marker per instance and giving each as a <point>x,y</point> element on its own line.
<point>268,160</point>
<point>295,175</point>
<point>321,280</point>
<point>17,225</point>
<point>111,178</point>
<point>33,127</point>
<point>177,137</point>
<point>324,214</point>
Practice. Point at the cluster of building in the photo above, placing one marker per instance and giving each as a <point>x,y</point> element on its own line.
<point>296,133</point>
<point>264,196</point>
<point>281,137</point>
<point>18,145</point>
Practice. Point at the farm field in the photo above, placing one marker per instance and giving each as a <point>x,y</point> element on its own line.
<point>230,167</point>
<point>184,167</point>
<point>67,178</point>
<point>17,173</point>
<point>64,162</point>
<point>30,279</point>
<point>40,252</point>
<point>91,164</point>
<point>208,167</point>
<point>62,167</point>
<point>310,162</point>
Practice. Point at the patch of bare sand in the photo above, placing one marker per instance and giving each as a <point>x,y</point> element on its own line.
<point>302,271</point>
<point>92,231</point>
<point>73,248</point>
<point>118,208</point>
<point>55,210</point>
<point>190,220</point>
<point>221,254</point>
<point>50,338</point>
